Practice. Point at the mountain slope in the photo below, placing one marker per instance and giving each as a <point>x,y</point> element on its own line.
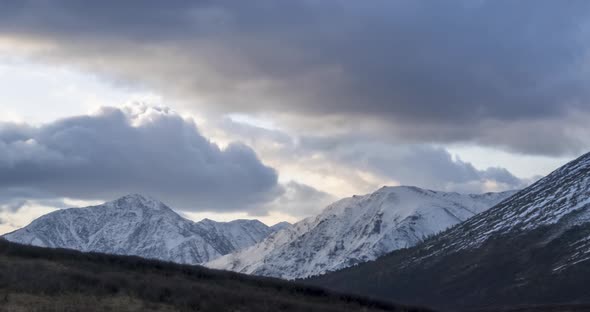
<point>136,225</point>
<point>355,230</point>
<point>42,279</point>
<point>280,226</point>
<point>563,195</point>
<point>530,249</point>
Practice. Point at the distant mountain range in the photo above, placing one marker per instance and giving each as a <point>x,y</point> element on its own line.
<point>492,250</point>
<point>350,231</point>
<point>141,226</point>
<point>533,248</point>
<point>355,230</point>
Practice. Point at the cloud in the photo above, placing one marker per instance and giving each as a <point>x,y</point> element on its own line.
<point>424,166</point>
<point>13,199</point>
<point>13,206</point>
<point>485,72</point>
<point>367,163</point>
<point>300,200</point>
<point>135,149</point>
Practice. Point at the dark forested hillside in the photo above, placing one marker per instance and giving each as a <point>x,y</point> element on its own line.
<point>40,279</point>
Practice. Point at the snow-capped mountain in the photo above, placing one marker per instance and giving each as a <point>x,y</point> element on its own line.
<point>562,199</point>
<point>532,248</point>
<point>280,226</point>
<point>141,226</point>
<point>355,230</point>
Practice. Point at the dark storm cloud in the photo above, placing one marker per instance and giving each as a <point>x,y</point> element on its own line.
<point>132,150</point>
<point>12,199</point>
<point>453,71</point>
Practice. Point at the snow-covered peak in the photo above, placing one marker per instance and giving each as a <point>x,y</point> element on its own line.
<point>143,226</point>
<point>409,200</point>
<point>531,248</point>
<point>134,201</point>
<point>357,229</point>
<point>280,226</point>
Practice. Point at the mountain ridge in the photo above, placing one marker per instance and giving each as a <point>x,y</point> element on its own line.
<point>533,248</point>
<point>357,229</point>
<point>140,225</point>
<point>564,193</point>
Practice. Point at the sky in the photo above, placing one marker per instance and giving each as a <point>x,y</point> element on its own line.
<point>274,109</point>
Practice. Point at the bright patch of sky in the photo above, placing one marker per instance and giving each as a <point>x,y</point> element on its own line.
<point>32,210</point>
<point>37,93</point>
<point>523,166</point>
<point>256,121</point>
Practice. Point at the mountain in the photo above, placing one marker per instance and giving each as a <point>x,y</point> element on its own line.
<point>141,226</point>
<point>43,279</point>
<point>533,248</point>
<point>280,226</point>
<point>355,230</point>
